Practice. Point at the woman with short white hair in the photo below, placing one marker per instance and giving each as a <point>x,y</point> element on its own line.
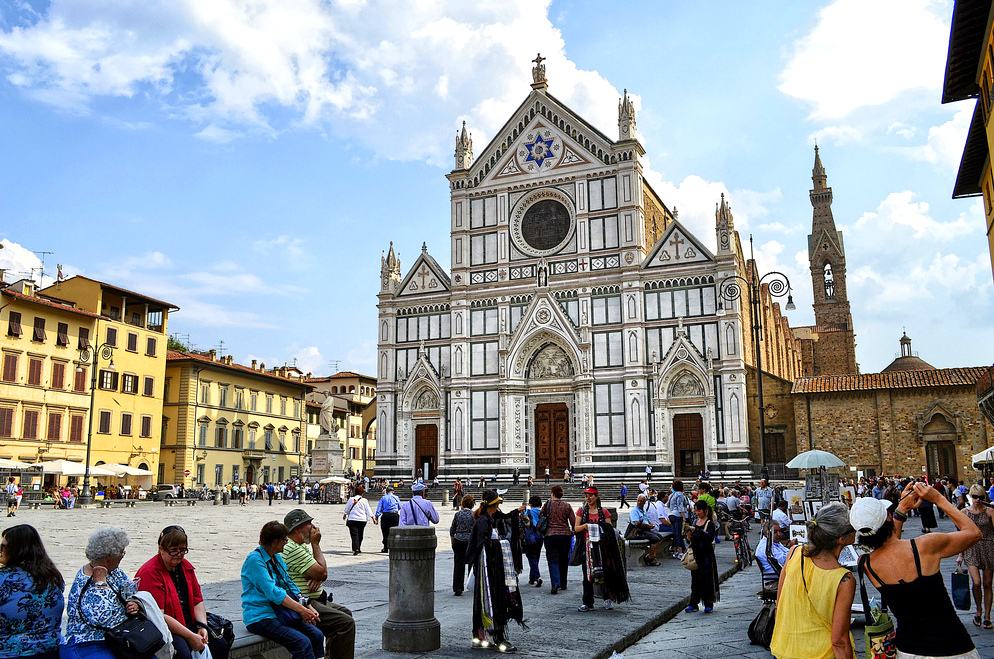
<point>98,597</point>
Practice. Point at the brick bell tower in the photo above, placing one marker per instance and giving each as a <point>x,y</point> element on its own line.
<point>835,347</point>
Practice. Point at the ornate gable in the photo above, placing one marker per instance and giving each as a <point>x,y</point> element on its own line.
<point>683,372</point>
<point>542,323</point>
<point>423,389</point>
<point>677,246</point>
<point>826,245</point>
<point>425,277</point>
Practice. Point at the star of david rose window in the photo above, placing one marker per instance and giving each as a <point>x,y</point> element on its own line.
<point>543,222</point>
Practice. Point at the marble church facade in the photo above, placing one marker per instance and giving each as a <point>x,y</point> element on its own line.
<point>581,324</point>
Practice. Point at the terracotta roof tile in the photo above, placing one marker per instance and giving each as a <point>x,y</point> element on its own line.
<point>48,303</point>
<point>179,355</point>
<point>342,374</point>
<point>944,377</point>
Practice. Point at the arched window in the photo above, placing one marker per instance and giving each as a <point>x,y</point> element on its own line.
<point>829,282</point>
<point>636,423</point>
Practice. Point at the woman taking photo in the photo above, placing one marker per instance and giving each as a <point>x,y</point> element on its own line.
<point>558,536</point>
<point>600,554</point>
<point>270,599</point>
<point>173,584</point>
<point>31,601</point>
<point>815,593</point>
<point>703,580</point>
<point>979,558</point>
<point>357,513</point>
<point>906,572</point>
<point>98,597</point>
<point>496,602</point>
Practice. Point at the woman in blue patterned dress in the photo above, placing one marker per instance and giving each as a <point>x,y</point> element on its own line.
<point>98,595</point>
<point>31,601</point>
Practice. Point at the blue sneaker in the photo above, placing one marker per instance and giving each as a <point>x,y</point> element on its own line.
<point>717,541</point>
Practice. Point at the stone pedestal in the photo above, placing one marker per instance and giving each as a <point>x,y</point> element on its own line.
<point>445,497</point>
<point>411,625</point>
<point>526,496</point>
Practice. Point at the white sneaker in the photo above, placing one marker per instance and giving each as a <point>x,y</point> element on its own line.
<point>608,604</point>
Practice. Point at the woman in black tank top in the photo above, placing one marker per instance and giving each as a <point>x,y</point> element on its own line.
<point>927,624</point>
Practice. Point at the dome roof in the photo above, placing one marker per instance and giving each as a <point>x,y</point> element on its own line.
<point>910,363</point>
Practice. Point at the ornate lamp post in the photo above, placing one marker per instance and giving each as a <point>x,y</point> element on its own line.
<point>731,289</point>
<point>105,352</point>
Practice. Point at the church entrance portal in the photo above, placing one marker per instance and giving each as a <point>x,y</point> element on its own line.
<point>426,450</point>
<point>551,439</point>
<point>940,460</point>
<point>688,444</point>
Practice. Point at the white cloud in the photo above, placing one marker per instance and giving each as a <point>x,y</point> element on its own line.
<point>945,142</point>
<point>310,360</point>
<point>391,78</point>
<point>868,53</point>
<point>18,262</point>
<point>900,212</point>
<point>836,135</point>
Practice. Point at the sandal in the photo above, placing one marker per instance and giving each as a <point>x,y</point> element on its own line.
<point>988,625</point>
<point>976,620</point>
<point>653,562</point>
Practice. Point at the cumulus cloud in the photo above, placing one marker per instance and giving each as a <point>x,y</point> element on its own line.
<point>900,211</point>
<point>945,142</point>
<point>310,360</point>
<point>863,54</point>
<point>18,262</point>
<point>359,68</point>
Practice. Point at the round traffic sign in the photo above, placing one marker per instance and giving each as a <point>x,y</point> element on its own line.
<point>186,473</point>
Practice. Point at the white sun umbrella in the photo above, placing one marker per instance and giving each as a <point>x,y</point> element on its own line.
<point>815,460</point>
<point>984,457</point>
<point>334,479</point>
<point>13,464</point>
<point>124,470</point>
<point>69,468</point>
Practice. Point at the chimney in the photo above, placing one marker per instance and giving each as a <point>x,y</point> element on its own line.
<point>262,367</point>
<point>228,360</point>
<point>213,354</point>
<point>255,364</point>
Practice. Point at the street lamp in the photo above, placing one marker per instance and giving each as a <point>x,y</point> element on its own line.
<point>105,352</point>
<point>731,290</point>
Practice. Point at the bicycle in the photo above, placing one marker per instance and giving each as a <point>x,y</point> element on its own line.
<point>743,552</point>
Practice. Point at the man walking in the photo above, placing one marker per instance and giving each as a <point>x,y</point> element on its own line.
<point>624,493</point>
<point>764,496</point>
<point>11,495</point>
<point>307,567</point>
<point>389,509</point>
<point>418,511</point>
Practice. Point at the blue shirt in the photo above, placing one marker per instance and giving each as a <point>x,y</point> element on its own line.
<point>779,553</point>
<point>677,504</point>
<point>418,512</point>
<point>636,515</point>
<point>32,621</point>
<point>878,492</point>
<point>764,497</point>
<point>260,589</point>
<point>100,604</point>
<point>388,504</point>
<point>624,490</point>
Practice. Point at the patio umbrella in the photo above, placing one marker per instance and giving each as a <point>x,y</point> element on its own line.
<point>815,460</point>
<point>69,468</point>
<point>13,464</point>
<point>334,479</point>
<point>984,457</point>
<point>124,470</point>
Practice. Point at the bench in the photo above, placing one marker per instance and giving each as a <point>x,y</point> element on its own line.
<point>191,502</point>
<point>34,505</point>
<point>636,550</point>
<point>251,646</point>
<point>128,503</point>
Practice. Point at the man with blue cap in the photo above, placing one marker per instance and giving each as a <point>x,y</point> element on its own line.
<point>418,511</point>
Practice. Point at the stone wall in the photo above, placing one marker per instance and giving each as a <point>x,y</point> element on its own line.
<point>884,429</point>
<point>778,402</point>
<point>835,353</point>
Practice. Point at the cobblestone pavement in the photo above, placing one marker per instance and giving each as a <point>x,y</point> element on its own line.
<point>723,633</point>
<point>221,537</point>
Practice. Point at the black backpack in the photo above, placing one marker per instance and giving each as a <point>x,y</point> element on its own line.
<point>761,628</point>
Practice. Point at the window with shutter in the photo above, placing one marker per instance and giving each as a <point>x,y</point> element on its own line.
<point>125,423</point>
<point>129,384</point>
<point>76,428</point>
<point>108,380</point>
<point>34,372</point>
<point>112,337</point>
<point>149,386</point>
<point>39,333</point>
<point>132,342</point>
<point>58,375</point>
<point>84,338</point>
<point>150,346</point>
<point>79,380</point>
<point>6,421</point>
<point>30,424</point>
<point>146,426</point>
<point>63,335</point>
<point>54,426</point>
<point>14,324</point>
<point>10,368</point>
<point>103,427</point>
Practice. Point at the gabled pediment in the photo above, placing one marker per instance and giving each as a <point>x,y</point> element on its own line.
<point>423,388</point>
<point>677,246</point>
<point>683,371</point>
<point>542,323</point>
<point>541,136</point>
<point>425,277</point>
<point>825,245</point>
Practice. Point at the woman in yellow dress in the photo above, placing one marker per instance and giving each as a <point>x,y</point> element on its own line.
<point>815,594</point>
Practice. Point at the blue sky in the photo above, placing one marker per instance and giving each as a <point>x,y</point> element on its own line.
<point>250,161</point>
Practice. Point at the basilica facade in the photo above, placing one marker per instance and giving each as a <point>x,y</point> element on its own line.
<point>581,325</point>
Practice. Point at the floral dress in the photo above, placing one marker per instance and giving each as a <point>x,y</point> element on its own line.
<point>100,604</point>
<point>31,621</point>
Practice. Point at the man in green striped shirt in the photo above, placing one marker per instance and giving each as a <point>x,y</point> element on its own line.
<point>308,569</point>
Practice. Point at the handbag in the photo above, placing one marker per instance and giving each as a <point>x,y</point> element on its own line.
<point>543,520</point>
<point>579,553</point>
<point>688,560</point>
<point>761,627</point>
<point>960,589</point>
<point>219,627</point>
<point>881,635</point>
<point>135,638</point>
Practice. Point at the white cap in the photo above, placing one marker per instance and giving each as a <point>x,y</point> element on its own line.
<point>868,515</point>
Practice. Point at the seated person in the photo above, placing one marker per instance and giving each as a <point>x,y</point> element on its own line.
<point>645,529</point>
<point>779,551</point>
<point>780,515</point>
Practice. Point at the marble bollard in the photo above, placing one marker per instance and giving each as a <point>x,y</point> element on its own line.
<point>526,496</point>
<point>445,497</point>
<point>411,625</point>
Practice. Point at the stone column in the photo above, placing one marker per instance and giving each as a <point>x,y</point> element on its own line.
<point>445,497</point>
<point>411,625</point>
<point>527,495</point>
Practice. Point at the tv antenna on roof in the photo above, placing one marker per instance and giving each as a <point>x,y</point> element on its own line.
<point>334,364</point>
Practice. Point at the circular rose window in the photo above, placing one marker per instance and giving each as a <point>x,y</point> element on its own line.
<point>543,222</point>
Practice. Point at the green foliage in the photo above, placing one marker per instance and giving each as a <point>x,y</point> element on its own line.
<point>172,343</point>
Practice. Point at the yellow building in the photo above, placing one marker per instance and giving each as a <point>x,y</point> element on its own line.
<point>44,385</point>
<point>128,352</point>
<point>355,413</point>
<point>228,423</point>
<point>970,74</point>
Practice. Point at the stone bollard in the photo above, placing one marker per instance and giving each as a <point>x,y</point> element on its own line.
<point>411,625</point>
<point>445,497</point>
<point>217,497</point>
<point>527,495</point>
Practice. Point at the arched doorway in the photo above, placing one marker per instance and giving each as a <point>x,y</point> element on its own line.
<point>551,439</point>
<point>940,447</point>
<point>426,449</point>
<point>688,444</point>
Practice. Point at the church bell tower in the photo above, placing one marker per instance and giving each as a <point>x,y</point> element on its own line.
<point>835,350</point>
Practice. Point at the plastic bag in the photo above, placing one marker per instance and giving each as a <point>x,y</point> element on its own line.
<point>203,654</point>
<point>960,590</point>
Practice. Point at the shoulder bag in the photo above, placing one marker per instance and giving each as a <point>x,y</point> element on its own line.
<point>761,628</point>
<point>284,615</point>
<point>219,627</point>
<point>688,560</point>
<point>881,635</point>
<point>135,638</point>
<point>543,519</point>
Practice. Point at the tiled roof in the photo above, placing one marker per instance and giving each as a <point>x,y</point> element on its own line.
<point>179,355</point>
<point>118,289</point>
<point>341,374</point>
<point>48,303</point>
<point>944,377</point>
